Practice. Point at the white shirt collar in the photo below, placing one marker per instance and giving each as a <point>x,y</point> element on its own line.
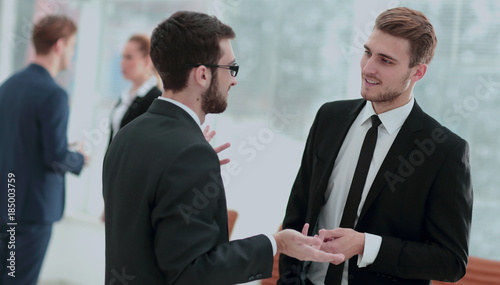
<point>146,86</point>
<point>391,120</point>
<point>183,107</point>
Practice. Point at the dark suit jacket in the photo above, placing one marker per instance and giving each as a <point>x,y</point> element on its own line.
<point>138,107</point>
<point>33,145</point>
<point>165,206</point>
<point>420,201</point>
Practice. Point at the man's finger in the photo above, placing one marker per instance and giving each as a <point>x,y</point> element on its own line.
<point>311,241</point>
<point>205,131</point>
<point>338,259</point>
<point>305,229</point>
<point>322,235</point>
<point>329,235</point>
<point>210,136</point>
<point>225,161</point>
<point>222,147</point>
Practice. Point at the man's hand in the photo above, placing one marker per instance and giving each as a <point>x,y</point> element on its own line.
<point>209,135</point>
<point>297,245</point>
<point>80,147</point>
<point>305,231</point>
<point>341,240</point>
<point>221,148</point>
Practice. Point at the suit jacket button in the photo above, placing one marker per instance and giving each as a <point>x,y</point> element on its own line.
<point>251,278</point>
<point>258,276</point>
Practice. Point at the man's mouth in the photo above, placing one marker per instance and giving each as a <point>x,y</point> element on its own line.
<point>371,81</point>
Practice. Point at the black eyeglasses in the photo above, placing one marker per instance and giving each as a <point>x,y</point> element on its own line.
<point>233,68</point>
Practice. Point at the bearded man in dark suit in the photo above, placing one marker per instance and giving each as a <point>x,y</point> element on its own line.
<point>165,205</point>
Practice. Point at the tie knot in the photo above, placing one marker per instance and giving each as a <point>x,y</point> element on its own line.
<point>375,121</point>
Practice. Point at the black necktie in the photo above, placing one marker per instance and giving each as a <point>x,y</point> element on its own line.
<point>334,274</point>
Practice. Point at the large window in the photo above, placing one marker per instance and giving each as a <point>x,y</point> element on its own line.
<point>461,91</point>
<point>294,56</point>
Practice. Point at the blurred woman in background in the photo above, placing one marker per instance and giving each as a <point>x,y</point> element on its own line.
<point>137,68</point>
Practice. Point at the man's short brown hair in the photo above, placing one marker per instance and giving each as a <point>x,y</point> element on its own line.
<point>49,30</point>
<point>186,38</point>
<point>414,26</point>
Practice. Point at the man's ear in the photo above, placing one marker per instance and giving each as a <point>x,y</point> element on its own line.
<point>201,76</point>
<point>419,71</point>
<point>59,46</point>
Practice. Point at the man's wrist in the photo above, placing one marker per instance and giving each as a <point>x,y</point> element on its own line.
<point>273,242</point>
<point>361,237</point>
<point>279,242</point>
<point>370,251</point>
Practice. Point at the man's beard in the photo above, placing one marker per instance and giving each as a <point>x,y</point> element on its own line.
<point>213,101</point>
<point>391,95</point>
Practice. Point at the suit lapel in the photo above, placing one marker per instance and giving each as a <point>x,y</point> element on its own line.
<point>403,144</point>
<point>338,125</point>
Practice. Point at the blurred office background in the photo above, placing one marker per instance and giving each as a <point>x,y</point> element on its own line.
<point>294,56</point>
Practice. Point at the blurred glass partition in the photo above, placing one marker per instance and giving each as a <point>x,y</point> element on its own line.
<point>294,56</point>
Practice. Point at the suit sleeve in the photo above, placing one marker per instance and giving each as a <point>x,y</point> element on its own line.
<point>190,222</point>
<point>296,212</point>
<point>446,228</point>
<point>53,120</point>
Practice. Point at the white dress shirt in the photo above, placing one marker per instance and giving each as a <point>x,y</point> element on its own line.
<point>343,171</point>
<point>197,120</point>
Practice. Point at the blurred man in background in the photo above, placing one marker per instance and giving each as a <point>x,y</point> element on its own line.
<point>34,154</point>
